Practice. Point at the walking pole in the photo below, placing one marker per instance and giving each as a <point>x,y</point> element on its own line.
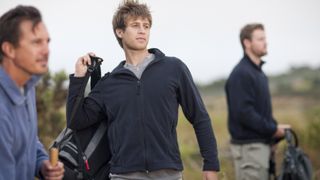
<point>53,155</point>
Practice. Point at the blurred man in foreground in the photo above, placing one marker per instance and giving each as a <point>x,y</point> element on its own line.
<point>24,54</point>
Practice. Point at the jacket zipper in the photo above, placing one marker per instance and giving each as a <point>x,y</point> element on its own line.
<point>143,126</point>
<point>138,87</point>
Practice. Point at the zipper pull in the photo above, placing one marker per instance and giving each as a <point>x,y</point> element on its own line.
<point>138,87</point>
<point>86,162</point>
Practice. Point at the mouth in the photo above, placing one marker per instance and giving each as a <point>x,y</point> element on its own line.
<point>141,39</point>
<point>43,62</point>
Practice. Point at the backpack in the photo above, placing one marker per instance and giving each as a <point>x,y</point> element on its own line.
<point>85,153</point>
<point>296,164</point>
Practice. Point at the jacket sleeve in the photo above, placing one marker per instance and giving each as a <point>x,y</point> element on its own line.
<point>7,167</point>
<point>242,95</point>
<point>196,113</point>
<point>41,156</point>
<point>89,110</point>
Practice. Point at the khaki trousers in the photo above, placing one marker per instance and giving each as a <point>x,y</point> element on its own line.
<point>251,161</point>
<point>164,174</point>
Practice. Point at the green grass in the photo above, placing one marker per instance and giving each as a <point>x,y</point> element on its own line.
<point>285,109</point>
<point>291,110</point>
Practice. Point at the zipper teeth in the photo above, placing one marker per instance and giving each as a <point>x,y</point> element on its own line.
<point>138,88</point>
<point>144,127</point>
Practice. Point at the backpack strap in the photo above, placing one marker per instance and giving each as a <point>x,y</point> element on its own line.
<point>96,62</point>
<point>95,72</point>
<point>79,98</point>
<point>95,76</point>
<point>95,139</point>
<point>291,137</point>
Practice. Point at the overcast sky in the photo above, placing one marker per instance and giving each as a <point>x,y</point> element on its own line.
<point>202,33</point>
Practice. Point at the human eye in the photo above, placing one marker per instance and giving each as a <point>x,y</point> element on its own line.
<point>147,26</point>
<point>134,24</point>
<point>36,41</point>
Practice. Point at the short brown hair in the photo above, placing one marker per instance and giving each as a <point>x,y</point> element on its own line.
<point>247,30</point>
<point>129,8</point>
<point>10,24</point>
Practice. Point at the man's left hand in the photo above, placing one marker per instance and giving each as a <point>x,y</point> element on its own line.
<point>210,175</point>
<point>50,172</point>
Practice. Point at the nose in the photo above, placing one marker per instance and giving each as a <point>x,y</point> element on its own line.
<point>142,29</point>
<point>45,48</point>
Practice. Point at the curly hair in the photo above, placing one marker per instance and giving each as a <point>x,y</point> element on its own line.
<point>129,8</point>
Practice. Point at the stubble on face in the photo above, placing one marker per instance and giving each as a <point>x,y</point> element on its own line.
<point>258,43</point>
<point>33,49</point>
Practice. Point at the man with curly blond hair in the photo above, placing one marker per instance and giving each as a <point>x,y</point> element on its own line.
<point>139,99</point>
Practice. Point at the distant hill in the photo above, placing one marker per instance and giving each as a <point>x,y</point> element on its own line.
<point>297,81</point>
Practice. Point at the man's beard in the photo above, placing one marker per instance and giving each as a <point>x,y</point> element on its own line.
<point>260,53</point>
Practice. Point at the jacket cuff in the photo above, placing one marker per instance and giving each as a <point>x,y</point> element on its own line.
<point>76,79</point>
<point>38,170</point>
<point>273,130</point>
<point>211,167</point>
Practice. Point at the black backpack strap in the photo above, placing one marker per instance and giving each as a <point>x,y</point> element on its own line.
<point>95,77</point>
<point>95,72</point>
<point>79,97</point>
<point>291,138</point>
<point>83,161</point>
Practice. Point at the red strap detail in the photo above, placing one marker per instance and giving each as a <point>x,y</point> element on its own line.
<point>87,165</point>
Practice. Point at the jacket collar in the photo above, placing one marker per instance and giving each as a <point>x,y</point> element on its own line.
<point>249,60</point>
<point>12,90</point>
<point>158,55</point>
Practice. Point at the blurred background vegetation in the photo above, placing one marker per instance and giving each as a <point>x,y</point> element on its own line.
<point>295,99</point>
<point>51,100</point>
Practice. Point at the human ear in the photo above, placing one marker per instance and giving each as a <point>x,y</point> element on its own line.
<point>8,49</point>
<point>247,43</point>
<point>119,33</point>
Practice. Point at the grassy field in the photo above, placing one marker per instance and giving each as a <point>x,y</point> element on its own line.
<point>296,103</point>
<point>286,110</point>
